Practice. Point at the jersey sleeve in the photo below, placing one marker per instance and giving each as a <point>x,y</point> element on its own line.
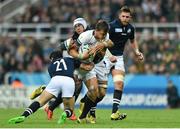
<point>107,37</point>
<point>62,46</point>
<point>50,71</point>
<point>132,34</point>
<point>65,45</point>
<point>110,30</point>
<point>82,39</point>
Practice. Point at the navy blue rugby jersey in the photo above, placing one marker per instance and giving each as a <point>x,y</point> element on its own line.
<point>119,34</point>
<point>63,67</point>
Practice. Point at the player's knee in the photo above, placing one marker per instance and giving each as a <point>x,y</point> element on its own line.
<point>93,93</point>
<point>118,78</point>
<point>102,92</point>
<point>118,81</point>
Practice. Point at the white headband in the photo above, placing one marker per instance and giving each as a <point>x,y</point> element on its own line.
<point>81,21</point>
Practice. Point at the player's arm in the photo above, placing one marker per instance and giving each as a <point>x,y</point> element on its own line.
<point>84,66</point>
<point>74,53</point>
<point>65,45</point>
<point>135,47</point>
<point>100,46</point>
<point>87,67</point>
<point>111,57</point>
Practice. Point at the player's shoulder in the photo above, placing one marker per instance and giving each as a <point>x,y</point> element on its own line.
<point>107,37</point>
<point>87,33</point>
<point>68,58</point>
<point>85,36</point>
<point>114,23</point>
<point>131,26</point>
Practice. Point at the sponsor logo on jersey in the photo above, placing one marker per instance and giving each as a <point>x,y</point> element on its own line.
<point>118,29</point>
<point>123,34</point>
<point>129,31</point>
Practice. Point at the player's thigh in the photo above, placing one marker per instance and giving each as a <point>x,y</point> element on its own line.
<point>78,84</point>
<point>119,65</point>
<point>102,92</point>
<point>102,73</point>
<point>68,87</point>
<point>92,86</point>
<point>55,85</point>
<point>45,97</point>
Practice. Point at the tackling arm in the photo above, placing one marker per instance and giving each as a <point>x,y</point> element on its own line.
<point>74,53</point>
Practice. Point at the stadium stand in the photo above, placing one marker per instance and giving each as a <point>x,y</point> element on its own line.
<point>22,48</point>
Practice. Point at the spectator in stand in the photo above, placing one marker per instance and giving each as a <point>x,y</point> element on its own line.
<point>17,83</point>
<point>173,98</point>
<point>53,11</point>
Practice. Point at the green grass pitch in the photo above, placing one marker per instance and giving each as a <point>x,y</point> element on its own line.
<point>141,118</point>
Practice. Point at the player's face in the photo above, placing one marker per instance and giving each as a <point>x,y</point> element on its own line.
<point>79,28</point>
<point>125,17</point>
<point>99,34</point>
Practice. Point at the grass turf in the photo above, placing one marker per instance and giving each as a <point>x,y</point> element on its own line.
<point>141,118</point>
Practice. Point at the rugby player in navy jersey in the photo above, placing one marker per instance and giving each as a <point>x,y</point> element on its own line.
<point>79,26</point>
<point>59,69</point>
<point>120,32</point>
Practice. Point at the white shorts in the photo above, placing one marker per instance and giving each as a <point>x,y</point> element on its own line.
<point>119,65</point>
<point>100,71</point>
<point>61,84</point>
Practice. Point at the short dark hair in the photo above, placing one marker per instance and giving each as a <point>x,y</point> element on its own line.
<point>102,25</point>
<point>125,9</point>
<point>55,55</point>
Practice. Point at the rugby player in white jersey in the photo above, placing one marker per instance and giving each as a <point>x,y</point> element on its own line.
<point>98,41</point>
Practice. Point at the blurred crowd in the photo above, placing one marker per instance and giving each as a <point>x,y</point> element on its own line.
<point>49,11</point>
<point>31,55</point>
<point>161,55</point>
<point>23,55</point>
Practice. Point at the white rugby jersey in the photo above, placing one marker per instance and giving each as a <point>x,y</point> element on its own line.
<point>88,38</point>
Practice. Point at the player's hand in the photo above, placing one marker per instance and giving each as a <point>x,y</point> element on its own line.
<point>113,59</point>
<point>85,55</point>
<point>95,49</point>
<point>139,56</point>
<point>87,67</point>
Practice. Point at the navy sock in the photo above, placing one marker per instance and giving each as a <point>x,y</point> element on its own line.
<point>84,99</point>
<point>68,112</point>
<point>87,106</point>
<point>31,109</point>
<point>93,109</point>
<point>116,100</point>
<point>56,103</point>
